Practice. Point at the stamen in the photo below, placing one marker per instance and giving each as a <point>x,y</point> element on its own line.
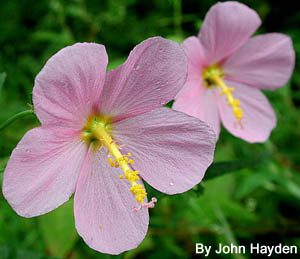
<point>112,163</point>
<point>149,205</point>
<point>213,76</point>
<point>96,129</point>
<point>234,103</point>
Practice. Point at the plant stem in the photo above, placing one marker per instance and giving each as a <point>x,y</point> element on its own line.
<point>228,233</point>
<point>178,17</point>
<point>15,117</point>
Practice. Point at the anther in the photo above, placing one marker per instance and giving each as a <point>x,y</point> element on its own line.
<point>113,163</point>
<point>115,158</point>
<point>227,91</point>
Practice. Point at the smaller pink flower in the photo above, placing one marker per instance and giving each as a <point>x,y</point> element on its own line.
<point>227,69</point>
<point>101,134</point>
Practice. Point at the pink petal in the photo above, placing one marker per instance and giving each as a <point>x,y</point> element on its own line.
<point>153,74</point>
<point>265,61</point>
<point>171,150</point>
<point>103,208</point>
<point>196,57</point>
<point>42,171</point>
<point>194,99</point>
<point>227,27</point>
<point>259,118</point>
<point>199,102</point>
<point>68,88</point>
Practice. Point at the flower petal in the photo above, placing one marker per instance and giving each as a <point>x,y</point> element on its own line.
<point>259,118</point>
<point>194,99</point>
<point>68,88</point>
<point>265,61</point>
<point>227,27</point>
<point>153,74</point>
<point>42,171</point>
<point>196,57</point>
<point>103,208</point>
<point>199,102</point>
<point>171,150</point>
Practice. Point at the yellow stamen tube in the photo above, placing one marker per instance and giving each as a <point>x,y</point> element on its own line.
<point>234,103</point>
<point>213,75</point>
<point>122,161</point>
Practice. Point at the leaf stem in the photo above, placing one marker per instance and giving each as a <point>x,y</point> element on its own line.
<point>228,233</point>
<point>15,117</point>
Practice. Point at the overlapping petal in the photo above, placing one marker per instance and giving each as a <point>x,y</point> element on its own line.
<point>42,171</point>
<point>259,118</point>
<point>153,74</point>
<point>103,208</point>
<point>171,150</point>
<point>68,88</point>
<point>227,27</point>
<point>200,103</point>
<point>265,61</point>
<point>196,57</point>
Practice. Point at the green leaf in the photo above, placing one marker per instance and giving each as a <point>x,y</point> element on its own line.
<point>221,168</point>
<point>2,79</point>
<point>8,252</point>
<point>176,38</point>
<point>292,188</point>
<point>115,63</point>
<point>252,182</point>
<point>145,246</point>
<point>232,208</point>
<point>169,104</point>
<point>58,230</point>
<point>3,162</point>
<point>15,117</point>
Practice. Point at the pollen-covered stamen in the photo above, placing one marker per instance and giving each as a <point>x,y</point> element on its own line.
<point>123,162</point>
<point>125,158</point>
<point>97,129</point>
<point>227,91</point>
<point>213,75</point>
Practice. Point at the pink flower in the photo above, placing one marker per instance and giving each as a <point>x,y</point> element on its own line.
<point>101,134</point>
<point>227,69</point>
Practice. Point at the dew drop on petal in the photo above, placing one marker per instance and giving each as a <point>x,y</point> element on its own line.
<point>171,183</point>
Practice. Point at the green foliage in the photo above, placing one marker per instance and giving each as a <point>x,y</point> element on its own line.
<point>250,193</point>
<point>2,79</point>
<point>58,230</point>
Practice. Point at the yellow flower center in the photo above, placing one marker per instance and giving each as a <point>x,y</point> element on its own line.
<point>213,76</point>
<point>97,132</point>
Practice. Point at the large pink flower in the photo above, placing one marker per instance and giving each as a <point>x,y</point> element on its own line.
<point>101,134</point>
<point>227,69</point>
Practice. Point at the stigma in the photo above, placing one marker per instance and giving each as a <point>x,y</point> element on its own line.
<point>98,132</point>
<point>213,76</point>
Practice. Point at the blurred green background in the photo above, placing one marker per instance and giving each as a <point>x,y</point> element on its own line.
<point>257,201</point>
